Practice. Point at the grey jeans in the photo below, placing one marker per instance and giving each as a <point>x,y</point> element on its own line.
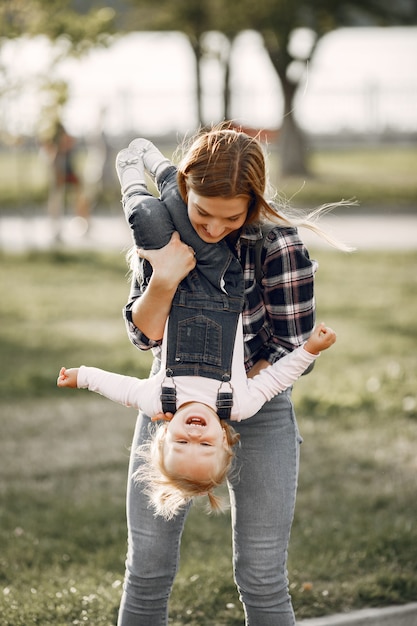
<point>262,503</point>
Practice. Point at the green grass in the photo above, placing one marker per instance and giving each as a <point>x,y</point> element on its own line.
<point>64,453</point>
<point>74,306</point>
<point>379,177</point>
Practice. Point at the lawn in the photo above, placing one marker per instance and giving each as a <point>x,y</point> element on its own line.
<point>64,453</point>
<point>379,177</point>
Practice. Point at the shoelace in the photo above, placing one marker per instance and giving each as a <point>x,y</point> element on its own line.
<point>128,161</point>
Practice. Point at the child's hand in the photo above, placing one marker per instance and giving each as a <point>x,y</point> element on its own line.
<point>162,417</point>
<point>322,338</point>
<point>67,378</point>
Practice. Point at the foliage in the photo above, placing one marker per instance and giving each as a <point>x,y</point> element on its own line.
<point>56,19</point>
<point>65,454</point>
<point>74,33</point>
<point>85,337</point>
<point>277,22</point>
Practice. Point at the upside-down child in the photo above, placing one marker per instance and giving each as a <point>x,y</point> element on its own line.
<point>202,383</point>
<point>194,443</point>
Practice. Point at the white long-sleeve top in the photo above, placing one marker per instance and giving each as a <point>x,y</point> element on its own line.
<point>249,394</point>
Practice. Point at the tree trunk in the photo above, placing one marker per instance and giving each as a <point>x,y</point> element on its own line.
<point>226,90</point>
<point>291,139</point>
<point>196,47</point>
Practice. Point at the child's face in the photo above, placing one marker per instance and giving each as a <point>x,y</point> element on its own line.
<point>215,218</point>
<point>195,443</point>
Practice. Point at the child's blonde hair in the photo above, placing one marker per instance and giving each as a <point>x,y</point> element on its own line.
<point>169,492</point>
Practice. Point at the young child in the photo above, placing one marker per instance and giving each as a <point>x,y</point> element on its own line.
<point>195,389</point>
<point>192,450</point>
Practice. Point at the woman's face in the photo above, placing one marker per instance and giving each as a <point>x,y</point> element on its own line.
<point>215,218</point>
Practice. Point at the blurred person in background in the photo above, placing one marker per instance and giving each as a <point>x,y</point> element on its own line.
<point>65,184</point>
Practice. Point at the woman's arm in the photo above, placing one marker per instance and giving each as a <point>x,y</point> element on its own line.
<point>170,265</point>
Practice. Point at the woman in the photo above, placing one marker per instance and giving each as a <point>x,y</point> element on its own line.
<point>222,180</point>
<point>202,380</point>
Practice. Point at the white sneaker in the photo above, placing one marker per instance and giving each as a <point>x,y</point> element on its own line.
<point>153,159</point>
<point>130,170</point>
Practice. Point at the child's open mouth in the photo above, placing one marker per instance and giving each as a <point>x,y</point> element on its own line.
<point>196,421</point>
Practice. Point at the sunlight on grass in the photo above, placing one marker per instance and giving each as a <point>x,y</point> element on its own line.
<point>375,177</point>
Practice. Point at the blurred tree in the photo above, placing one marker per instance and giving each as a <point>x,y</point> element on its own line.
<point>278,21</point>
<point>79,24</point>
<point>191,17</point>
<point>56,19</point>
<point>196,18</point>
<point>75,31</point>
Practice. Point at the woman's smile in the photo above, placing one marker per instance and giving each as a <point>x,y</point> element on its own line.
<point>215,218</point>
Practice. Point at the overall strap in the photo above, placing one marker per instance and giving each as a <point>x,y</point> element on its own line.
<point>224,401</point>
<point>169,395</point>
<point>265,228</point>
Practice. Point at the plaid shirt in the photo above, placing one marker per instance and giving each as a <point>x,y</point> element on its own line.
<point>279,313</point>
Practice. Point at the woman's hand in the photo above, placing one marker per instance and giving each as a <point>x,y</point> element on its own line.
<point>259,365</point>
<point>170,264</point>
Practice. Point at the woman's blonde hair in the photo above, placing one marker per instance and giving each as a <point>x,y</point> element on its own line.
<point>169,492</point>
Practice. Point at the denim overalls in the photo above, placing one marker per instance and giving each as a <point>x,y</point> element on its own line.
<point>207,304</point>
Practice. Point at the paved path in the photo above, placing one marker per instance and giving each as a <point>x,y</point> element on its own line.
<point>364,232</point>
<point>405,615</point>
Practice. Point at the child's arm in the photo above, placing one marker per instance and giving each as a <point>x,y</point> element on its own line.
<point>126,390</point>
<point>321,338</point>
<point>275,378</point>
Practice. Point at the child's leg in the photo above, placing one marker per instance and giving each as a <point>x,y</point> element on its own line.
<point>130,171</point>
<point>154,220</point>
<point>146,215</point>
<point>153,160</point>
